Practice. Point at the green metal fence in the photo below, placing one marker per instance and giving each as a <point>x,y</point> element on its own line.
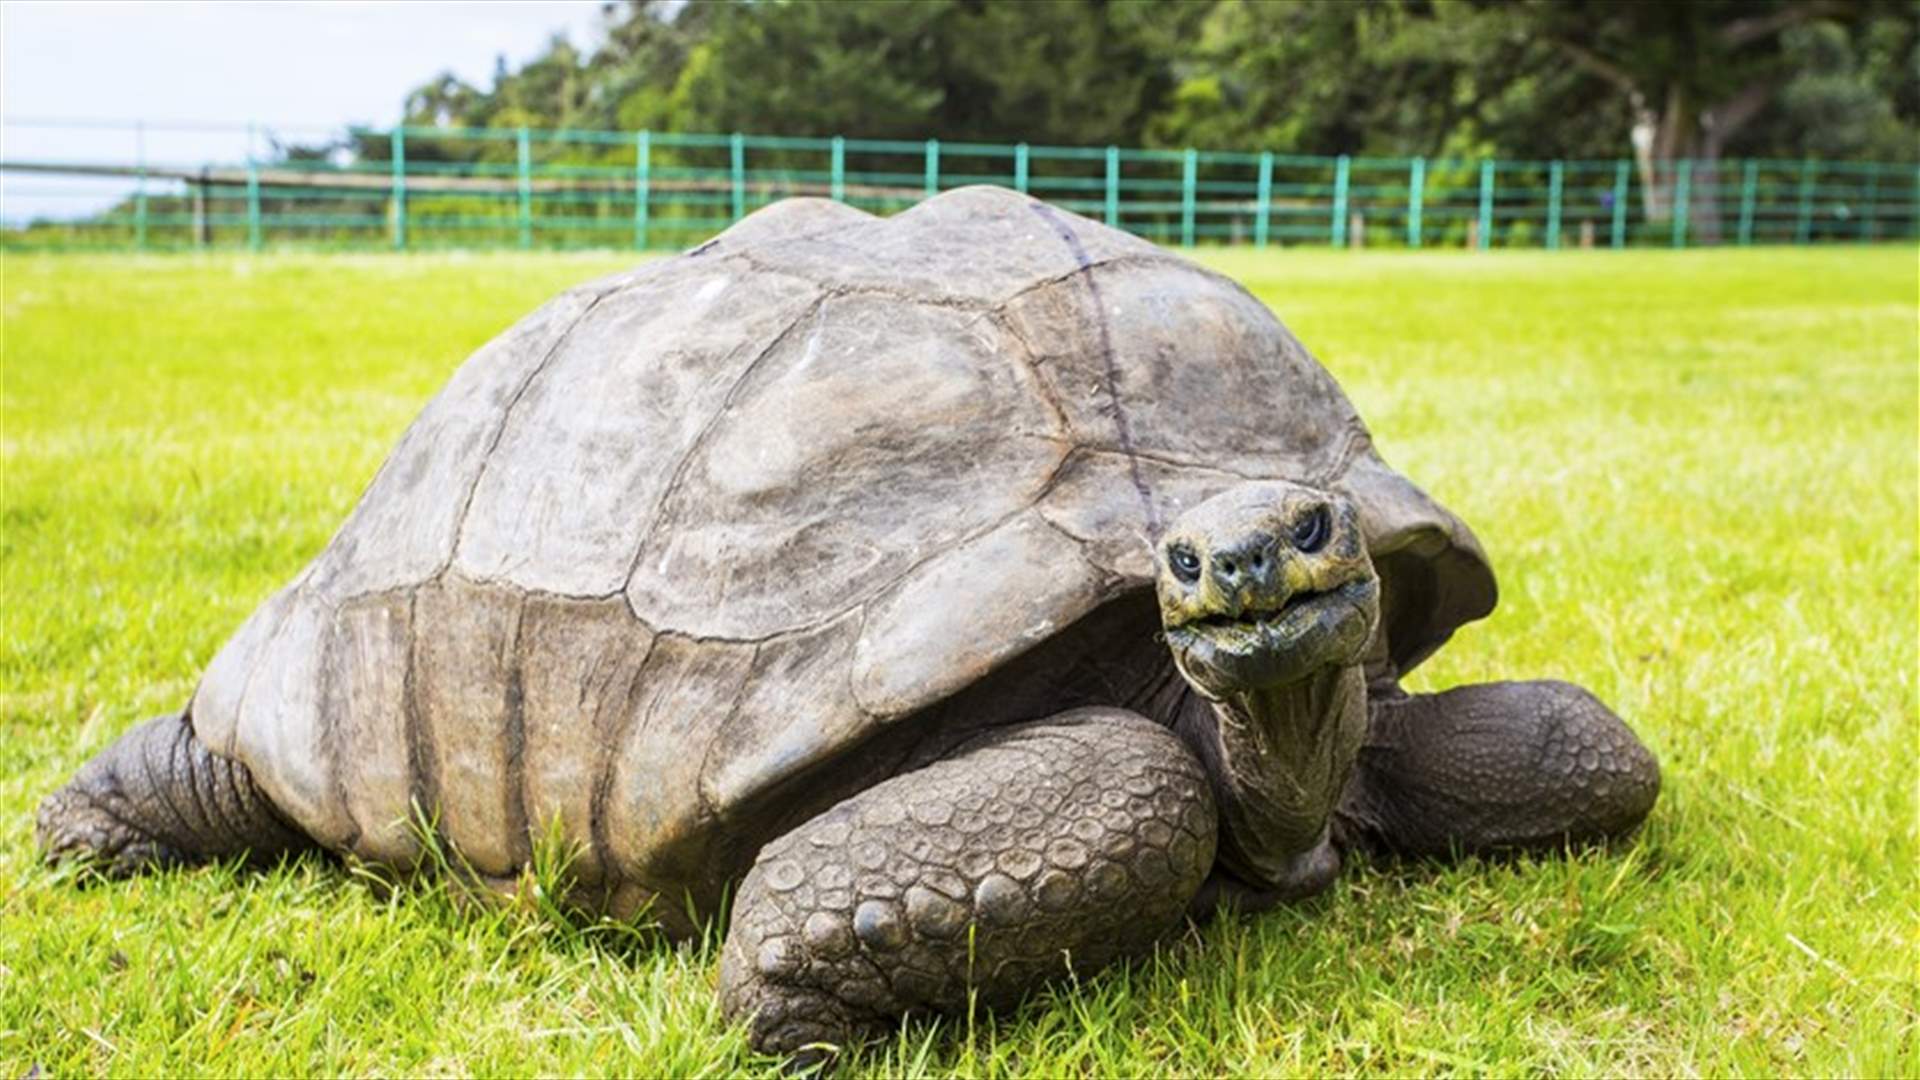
<point>432,188</point>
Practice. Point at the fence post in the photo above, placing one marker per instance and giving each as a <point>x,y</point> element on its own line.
<point>253,203</point>
<point>399,187</point>
<point>1749,175</point>
<point>1189,173</point>
<point>1913,213</point>
<point>202,224</point>
<point>1486,203</point>
<point>1264,207</point>
<point>526,189</point>
<point>1682,201</point>
<point>253,186</point>
<point>933,167</point>
<point>1556,174</point>
<point>1416,197</point>
<point>839,169</point>
<point>642,186</point>
<point>1803,228</point>
<point>1872,202</point>
<point>1340,169</point>
<point>1020,168</point>
<point>1113,186</point>
<point>1913,222</point>
<point>140,190</point>
<point>1622,175</point>
<point>737,159</point>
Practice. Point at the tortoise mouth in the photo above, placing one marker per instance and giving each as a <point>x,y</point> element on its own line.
<point>1221,654</point>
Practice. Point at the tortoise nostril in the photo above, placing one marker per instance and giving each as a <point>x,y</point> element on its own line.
<point>1225,565</point>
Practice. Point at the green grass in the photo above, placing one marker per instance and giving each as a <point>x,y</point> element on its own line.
<point>1695,472</point>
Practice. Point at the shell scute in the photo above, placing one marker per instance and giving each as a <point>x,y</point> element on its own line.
<point>589,449</point>
<point>877,434</point>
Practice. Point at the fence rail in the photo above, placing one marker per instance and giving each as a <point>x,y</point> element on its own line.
<point>427,188</point>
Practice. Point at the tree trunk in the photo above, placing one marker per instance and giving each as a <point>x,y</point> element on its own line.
<point>1645,126</point>
<point>1703,210</point>
<point>1672,138</point>
<point>1717,125</point>
<point>1681,134</point>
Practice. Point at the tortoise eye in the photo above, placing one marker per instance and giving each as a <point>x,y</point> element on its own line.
<point>1311,534</point>
<point>1186,565</point>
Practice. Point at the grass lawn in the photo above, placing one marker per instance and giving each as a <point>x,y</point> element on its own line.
<point>1695,472</point>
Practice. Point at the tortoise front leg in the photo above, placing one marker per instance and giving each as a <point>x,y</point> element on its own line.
<point>1496,767</point>
<point>1035,849</point>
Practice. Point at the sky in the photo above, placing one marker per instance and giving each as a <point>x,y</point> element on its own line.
<point>302,69</point>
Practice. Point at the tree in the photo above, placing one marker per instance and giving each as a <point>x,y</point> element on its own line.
<point>815,69</point>
<point>1694,74</point>
<point>1072,71</point>
<point>1390,77</point>
<point>1854,93</point>
<point>1694,80</point>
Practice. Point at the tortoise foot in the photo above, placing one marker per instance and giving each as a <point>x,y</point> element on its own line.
<point>156,797</point>
<point>1497,767</point>
<point>1033,851</point>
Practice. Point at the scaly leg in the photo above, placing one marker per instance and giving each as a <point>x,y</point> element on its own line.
<point>1057,845</point>
<point>1493,767</point>
<point>158,797</point>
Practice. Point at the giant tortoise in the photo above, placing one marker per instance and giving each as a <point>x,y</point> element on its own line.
<point>966,594</point>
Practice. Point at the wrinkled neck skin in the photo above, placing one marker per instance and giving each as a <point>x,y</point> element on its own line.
<point>1279,758</point>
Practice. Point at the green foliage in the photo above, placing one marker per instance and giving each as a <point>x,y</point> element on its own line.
<point>1847,100</point>
<point>1694,472</point>
<point>803,58</point>
<point>1383,77</point>
<point>1388,78</point>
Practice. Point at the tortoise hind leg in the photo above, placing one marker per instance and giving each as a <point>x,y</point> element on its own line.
<point>158,797</point>
<point>1030,851</point>
<point>1496,767</point>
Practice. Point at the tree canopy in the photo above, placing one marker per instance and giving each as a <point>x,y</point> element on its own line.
<point>1536,78</point>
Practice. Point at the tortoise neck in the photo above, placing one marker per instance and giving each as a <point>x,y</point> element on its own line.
<point>1278,759</point>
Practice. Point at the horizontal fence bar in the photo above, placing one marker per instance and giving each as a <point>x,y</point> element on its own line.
<point>430,187</point>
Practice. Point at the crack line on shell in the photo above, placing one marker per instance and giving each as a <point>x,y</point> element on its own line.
<point>1123,425</point>
<point>680,467</point>
<point>513,738</point>
<point>1143,259</point>
<point>1046,486</point>
<point>1063,423</point>
<point>423,780</point>
<point>706,807</point>
<point>333,725</point>
<point>506,417</point>
<point>607,760</point>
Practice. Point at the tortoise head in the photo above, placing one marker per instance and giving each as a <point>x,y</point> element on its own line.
<point>1269,600</point>
<point>1265,585</point>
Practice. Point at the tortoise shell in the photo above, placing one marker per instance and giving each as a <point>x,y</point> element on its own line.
<point>691,552</point>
